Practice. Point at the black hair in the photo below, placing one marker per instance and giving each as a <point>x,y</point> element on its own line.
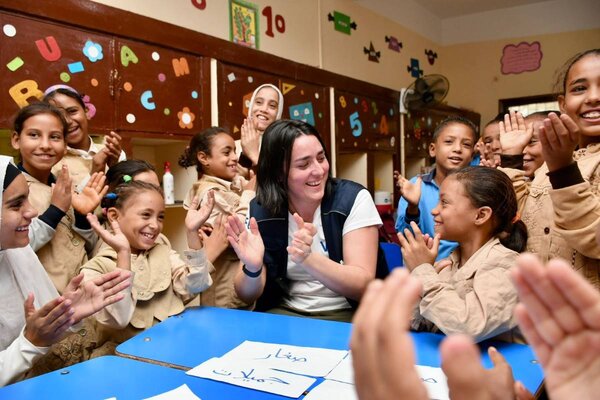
<point>560,84</point>
<point>274,162</point>
<point>488,187</point>
<point>126,190</point>
<point>498,118</point>
<point>456,119</point>
<point>67,92</point>
<point>541,114</point>
<point>201,142</point>
<point>115,174</point>
<point>37,108</point>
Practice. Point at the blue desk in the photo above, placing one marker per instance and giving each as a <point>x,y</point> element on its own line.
<point>198,334</point>
<point>123,378</point>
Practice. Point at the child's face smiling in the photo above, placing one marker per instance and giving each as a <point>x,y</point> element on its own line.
<point>41,144</point>
<point>264,109</point>
<point>581,100</point>
<point>77,119</point>
<point>454,211</point>
<point>453,148</point>
<point>141,219</point>
<point>17,214</point>
<point>222,160</point>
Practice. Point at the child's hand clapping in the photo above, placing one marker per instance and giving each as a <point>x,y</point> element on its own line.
<point>89,198</point>
<point>417,248</point>
<point>195,218</point>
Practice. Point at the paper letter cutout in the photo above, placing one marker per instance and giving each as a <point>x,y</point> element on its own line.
<point>181,66</point>
<point>127,55</point>
<point>48,48</point>
<point>23,91</point>
<point>145,99</point>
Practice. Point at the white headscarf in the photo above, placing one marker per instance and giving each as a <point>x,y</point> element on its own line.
<point>21,273</point>
<point>279,103</point>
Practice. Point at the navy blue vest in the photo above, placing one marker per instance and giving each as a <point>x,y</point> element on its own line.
<point>335,208</point>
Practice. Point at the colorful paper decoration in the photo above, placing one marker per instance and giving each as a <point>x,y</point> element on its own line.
<point>15,64</point>
<point>243,23</point>
<point>186,118</point>
<point>431,56</point>
<point>373,55</point>
<point>180,66</point>
<point>127,56</point>
<point>93,51</point>
<point>287,87</point>
<point>355,124</point>
<point>49,48</point>
<point>303,112</point>
<point>279,22</point>
<point>342,22</point>
<point>524,57</point>
<point>414,68</point>
<point>199,4</point>
<point>145,99</point>
<point>393,43</point>
<point>75,67</point>
<point>25,90</point>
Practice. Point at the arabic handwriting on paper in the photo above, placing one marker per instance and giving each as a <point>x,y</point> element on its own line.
<point>429,380</point>
<point>289,356</point>
<point>247,376</point>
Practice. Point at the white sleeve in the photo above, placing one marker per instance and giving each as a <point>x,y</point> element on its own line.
<point>18,358</point>
<point>363,213</point>
<point>40,233</point>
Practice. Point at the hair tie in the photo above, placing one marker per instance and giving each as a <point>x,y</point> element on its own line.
<point>516,218</point>
<point>126,178</point>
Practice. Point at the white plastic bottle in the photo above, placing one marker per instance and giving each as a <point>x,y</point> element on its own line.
<point>168,184</point>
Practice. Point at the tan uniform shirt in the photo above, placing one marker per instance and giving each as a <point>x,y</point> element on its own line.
<point>230,199</point>
<point>476,299</point>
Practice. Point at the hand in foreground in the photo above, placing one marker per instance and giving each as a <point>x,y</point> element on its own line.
<point>89,297</point>
<point>515,134</point>
<point>250,140</point>
<point>410,191</point>
<point>559,314</point>
<point>559,137</point>
<point>417,248</point>
<point>215,239</point>
<point>248,244</point>
<point>115,239</point>
<point>195,218</point>
<point>300,247</point>
<point>47,325</point>
<point>89,198</point>
<point>61,190</point>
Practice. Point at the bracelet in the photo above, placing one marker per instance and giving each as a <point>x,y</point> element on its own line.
<point>250,273</point>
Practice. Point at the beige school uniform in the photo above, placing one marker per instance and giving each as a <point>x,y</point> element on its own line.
<point>65,252</point>
<point>563,222</point>
<point>230,199</point>
<point>162,282</point>
<point>476,299</point>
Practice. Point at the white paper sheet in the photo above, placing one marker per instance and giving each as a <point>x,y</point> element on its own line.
<point>252,376</point>
<point>309,361</point>
<point>435,382</point>
<point>183,392</point>
<point>343,372</point>
<point>332,390</point>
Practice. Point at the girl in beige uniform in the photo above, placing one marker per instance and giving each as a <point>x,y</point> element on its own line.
<point>61,235</point>
<point>163,280</point>
<point>473,294</point>
<point>212,151</point>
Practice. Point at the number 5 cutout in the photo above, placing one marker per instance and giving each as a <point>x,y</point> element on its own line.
<point>355,124</point>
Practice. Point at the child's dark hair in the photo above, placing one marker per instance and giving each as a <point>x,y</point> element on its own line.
<point>560,83</point>
<point>126,190</point>
<point>67,92</point>
<point>200,142</point>
<point>456,119</point>
<point>498,118</point>
<point>37,108</point>
<point>541,114</point>
<point>492,188</point>
<point>116,173</point>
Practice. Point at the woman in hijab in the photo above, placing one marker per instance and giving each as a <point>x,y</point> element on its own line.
<point>32,314</point>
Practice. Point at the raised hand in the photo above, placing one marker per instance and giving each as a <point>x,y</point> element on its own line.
<point>559,137</point>
<point>248,244</point>
<point>559,314</point>
<point>382,349</point>
<point>47,325</point>
<point>300,247</point>
<point>89,198</point>
<point>250,140</point>
<point>113,148</point>
<point>87,298</point>
<point>416,249</point>
<point>215,239</point>
<point>196,217</point>
<point>115,239</point>
<point>250,183</point>
<point>514,133</point>
<point>61,190</point>
<point>410,191</point>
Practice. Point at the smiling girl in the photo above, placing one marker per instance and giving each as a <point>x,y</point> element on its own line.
<point>474,294</point>
<point>61,235</point>
<point>212,151</point>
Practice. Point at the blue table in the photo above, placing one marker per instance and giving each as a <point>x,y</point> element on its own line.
<point>198,334</point>
<point>109,376</point>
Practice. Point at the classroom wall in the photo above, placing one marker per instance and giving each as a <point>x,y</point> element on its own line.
<point>476,80</point>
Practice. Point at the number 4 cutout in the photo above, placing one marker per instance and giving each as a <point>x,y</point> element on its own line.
<point>383,126</point>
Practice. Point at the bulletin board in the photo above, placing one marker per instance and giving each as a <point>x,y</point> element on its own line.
<point>302,100</point>
<point>365,123</point>
<point>161,90</point>
<point>36,55</point>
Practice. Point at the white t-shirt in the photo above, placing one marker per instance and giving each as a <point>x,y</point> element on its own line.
<point>307,293</point>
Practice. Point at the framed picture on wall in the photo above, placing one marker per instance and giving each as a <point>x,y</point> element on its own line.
<point>243,23</point>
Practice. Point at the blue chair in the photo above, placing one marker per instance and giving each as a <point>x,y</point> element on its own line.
<point>393,255</point>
